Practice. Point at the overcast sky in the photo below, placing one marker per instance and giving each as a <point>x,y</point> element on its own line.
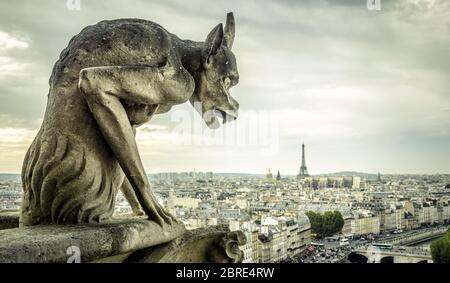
<point>365,90</point>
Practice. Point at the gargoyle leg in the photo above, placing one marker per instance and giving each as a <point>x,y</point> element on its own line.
<point>103,87</point>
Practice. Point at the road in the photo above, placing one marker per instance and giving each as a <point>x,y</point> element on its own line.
<point>332,252</point>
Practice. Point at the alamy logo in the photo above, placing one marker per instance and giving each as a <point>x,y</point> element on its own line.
<point>374,5</point>
<point>74,254</point>
<point>255,129</point>
<point>73,5</point>
<point>373,254</point>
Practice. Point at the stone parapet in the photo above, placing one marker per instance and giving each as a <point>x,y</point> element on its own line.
<point>120,240</point>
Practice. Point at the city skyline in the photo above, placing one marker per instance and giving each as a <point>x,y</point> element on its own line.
<point>366,90</point>
<point>401,214</point>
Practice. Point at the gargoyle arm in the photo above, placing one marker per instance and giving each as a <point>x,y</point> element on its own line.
<point>130,196</point>
<point>103,87</point>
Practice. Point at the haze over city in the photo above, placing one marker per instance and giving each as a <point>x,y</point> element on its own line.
<point>370,93</point>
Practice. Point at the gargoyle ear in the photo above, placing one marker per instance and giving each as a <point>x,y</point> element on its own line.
<point>213,42</point>
<point>229,31</point>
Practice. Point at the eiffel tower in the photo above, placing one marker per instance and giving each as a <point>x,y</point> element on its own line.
<point>303,169</point>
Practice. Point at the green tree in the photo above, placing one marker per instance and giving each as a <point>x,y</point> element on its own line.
<point>440,249</point>
<point>326,224</point>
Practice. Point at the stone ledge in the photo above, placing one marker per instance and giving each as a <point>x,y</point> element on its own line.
<point>126,239</point>
<point>49,243</point>
<point>215,244</point>
<point>9,219</point>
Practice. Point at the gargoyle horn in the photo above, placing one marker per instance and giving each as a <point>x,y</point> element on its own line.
<point>229,31</point>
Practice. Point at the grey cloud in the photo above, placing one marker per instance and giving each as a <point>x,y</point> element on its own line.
<point>397,58</point>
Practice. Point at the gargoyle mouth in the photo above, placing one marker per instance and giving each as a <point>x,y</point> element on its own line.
<point>212,117</point>
<point>226,116</point>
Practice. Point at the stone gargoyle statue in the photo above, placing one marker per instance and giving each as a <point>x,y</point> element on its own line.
<point>110,79</point>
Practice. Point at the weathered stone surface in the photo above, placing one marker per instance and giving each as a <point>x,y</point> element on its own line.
<point>124,240</point>
<point>49,243</point>
<point>205,245</point>
<point>9,219</point>
<point>110,79</point>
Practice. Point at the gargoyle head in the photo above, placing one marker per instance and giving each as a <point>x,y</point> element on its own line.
<point>218,74</point>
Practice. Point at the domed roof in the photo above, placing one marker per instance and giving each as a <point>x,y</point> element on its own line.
<point>303,220</point>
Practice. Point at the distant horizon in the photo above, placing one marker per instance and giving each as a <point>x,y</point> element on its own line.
<point>275,172</point>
